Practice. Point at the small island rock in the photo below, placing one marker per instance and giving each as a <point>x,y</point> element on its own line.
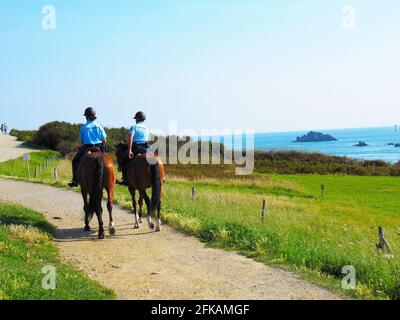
<point>313,136</point>
<point>361,144</point>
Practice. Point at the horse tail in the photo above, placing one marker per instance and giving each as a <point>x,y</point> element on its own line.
<point>155,186</point>
<point>97,192</point>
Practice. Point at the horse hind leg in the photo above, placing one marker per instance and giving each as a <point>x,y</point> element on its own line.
<point>110,208</point>
<point>158,223</point>
<point>111,223</point>
<point>140,209</point>
<point>134,207</point>
<point>99,213</point>
<point>147,201</point>
<point>86,210</point>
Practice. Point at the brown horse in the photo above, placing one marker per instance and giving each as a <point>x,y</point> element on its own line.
<point>95,172</point>
<point>143,171</point>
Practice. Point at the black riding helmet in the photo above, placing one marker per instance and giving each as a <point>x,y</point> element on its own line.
<point>89,112</point>
<point>140,116</point>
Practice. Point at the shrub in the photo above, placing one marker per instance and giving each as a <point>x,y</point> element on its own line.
<point>24,135</point>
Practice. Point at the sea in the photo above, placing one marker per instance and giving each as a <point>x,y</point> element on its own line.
<point>378,140</point>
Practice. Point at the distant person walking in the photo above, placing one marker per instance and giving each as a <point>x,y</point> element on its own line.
<point>5,128</point>
<point>2,128</point>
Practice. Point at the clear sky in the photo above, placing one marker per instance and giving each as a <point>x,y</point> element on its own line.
<point>266,65</point>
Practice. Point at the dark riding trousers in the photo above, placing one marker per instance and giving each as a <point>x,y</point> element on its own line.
<point>140,148</point>
<point>78,157</point>
<point>137,148</point>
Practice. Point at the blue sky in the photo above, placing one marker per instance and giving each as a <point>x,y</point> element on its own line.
<point>266,65</point>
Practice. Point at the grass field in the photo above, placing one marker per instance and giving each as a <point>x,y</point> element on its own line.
<point>26,247</point>
<point>304,232</point>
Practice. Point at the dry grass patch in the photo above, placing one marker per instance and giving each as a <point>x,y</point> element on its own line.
<point>27,234</point>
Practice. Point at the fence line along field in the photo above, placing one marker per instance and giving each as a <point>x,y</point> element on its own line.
<point>303,231</point>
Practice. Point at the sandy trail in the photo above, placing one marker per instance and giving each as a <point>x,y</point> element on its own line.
<point>139,264</point>
<point>10,148</point>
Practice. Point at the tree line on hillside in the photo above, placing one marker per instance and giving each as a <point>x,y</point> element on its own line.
<point>64,137</point>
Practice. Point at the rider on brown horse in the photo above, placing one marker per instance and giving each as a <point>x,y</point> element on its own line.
<point>138,142</point>
<point>92,134</point>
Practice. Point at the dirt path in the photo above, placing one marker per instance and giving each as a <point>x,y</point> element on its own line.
<point>10,148</point>
<point>139,264</point>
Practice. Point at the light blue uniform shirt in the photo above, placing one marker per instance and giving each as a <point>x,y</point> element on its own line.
<point>140,133</point>
<point>92,133</point>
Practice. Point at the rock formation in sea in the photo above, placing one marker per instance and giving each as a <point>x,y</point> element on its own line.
<point>314,136</point>
<point>361,144</point>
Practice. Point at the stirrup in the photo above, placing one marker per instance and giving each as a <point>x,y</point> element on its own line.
<point>73,184</point>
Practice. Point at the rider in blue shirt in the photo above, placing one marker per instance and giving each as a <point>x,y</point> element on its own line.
<point>92,134</point>
<point>139,136</point>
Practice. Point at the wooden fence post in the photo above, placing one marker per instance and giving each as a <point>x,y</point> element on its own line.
<point>29,169</point>
<point>263,211</point>
<point>193,193</point>
<point>322,189</point>
<point>55,173</point>
<point>382,241</point>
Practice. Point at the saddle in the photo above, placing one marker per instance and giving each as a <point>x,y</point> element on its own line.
<point>94,150</point>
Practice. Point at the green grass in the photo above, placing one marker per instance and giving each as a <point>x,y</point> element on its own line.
<point>304,232</point>
<point>314,236</point>
<point>26,247</point>
<point>18,168</point>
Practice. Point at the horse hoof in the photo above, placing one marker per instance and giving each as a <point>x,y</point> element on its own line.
<point>87,229</point>
<point>140,220</point>
<point>151,226</point>
<point>112,231</point>
<point>136,226</point>
<point>157,230</point>
<point>101,236</point>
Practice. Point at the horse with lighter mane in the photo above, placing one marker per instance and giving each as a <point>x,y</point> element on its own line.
<point>143,171</point>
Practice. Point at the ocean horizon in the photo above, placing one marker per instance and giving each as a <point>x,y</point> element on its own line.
<point>377,138</point>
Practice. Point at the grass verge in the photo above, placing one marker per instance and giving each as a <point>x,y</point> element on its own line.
<point>26,250</point>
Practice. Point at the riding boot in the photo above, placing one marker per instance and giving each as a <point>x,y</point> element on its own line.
<point>74,182</point>
<point>124,180</point>
<point>125,176</point>
<point>75,164</point>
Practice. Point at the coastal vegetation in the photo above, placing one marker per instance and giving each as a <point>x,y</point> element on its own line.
<point>64,137</point>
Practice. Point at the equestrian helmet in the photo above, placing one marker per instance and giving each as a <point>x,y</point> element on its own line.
<point>89,112</point>
<point>140,116</point>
